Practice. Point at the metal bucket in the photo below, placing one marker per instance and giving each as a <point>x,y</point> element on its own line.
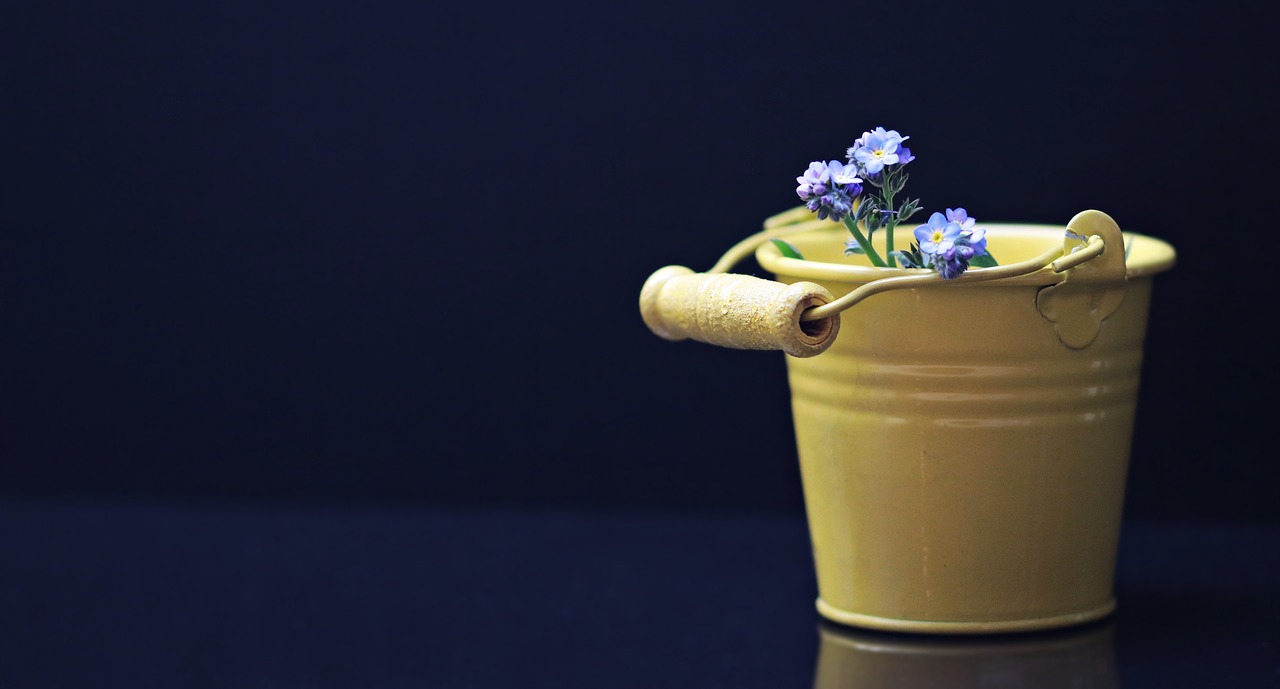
<point>964,444</point>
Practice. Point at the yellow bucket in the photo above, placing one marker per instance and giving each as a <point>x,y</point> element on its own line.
<point>963,444</point>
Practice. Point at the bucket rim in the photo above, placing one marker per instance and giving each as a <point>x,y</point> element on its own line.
<point>1156,256</point>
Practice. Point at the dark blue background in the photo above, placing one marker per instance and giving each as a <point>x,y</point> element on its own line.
<point>322,364</point>
<point>391,251</point>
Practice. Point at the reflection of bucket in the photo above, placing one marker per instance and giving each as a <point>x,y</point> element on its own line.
<point>1083,657</point>
<point>963,453</point>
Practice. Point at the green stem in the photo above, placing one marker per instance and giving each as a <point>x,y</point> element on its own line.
<point>852,224</point>
<point>891,221</point>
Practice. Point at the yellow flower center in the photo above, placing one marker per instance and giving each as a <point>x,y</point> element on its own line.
<point>879,153</point>
<point>937,237</point>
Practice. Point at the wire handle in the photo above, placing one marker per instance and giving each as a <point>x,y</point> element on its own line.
<point>1055,258</point>
<point>802,319</point>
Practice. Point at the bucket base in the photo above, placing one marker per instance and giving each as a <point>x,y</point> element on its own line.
<point>890,624</point>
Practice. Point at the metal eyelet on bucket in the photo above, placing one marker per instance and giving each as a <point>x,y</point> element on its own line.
<point>1091,290</point>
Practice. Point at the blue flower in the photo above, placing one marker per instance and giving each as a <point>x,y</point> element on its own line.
<point>842,174</point>
<point>961,218</point>
<point>972,242</point>
<point>976,240</point>
<point>937,236</point>
<point>948,242</point>
<point>950,264</point>
<point>829,189</point>
<point>814,181</point>
<point>876,149</point>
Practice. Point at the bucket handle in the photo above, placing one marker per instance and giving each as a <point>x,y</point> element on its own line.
<point>802,319</point>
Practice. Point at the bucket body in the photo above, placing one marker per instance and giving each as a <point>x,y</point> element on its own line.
<point>963,469</point>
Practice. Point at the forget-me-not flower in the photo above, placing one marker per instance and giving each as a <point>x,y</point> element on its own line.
<point>876,149</point>
<point>904,156</point>
<point>961,218</point>
<point>948,242</point>
<point>938,235</point>
<point>949,264</point>
<point>829,189</point>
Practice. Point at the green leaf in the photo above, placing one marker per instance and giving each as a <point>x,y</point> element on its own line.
<point>912,258</point>
<point>865,207</point>
<point>896,183</point>
<point>984,261</point>
<point>786,249</point>
<point>908,209</point>
<point>905,258</point>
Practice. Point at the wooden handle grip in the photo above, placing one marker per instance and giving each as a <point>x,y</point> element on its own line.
<point>736,311</point>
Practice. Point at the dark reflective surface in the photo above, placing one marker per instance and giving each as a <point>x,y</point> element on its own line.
<point>110,594</point>
<point>1083,657</point>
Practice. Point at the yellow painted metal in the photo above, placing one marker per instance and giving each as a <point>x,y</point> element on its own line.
<point>963,466</point>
